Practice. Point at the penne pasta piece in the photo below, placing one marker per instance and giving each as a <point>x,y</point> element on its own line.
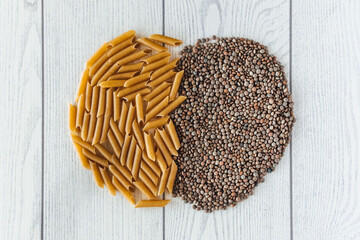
<point>151,164</point>
<point>98,64</point>
<point>165,137</point>
<point>132,96</point>
<point>171,65</point>
<point>130,118</point>
<point>127,174</point>
<point>85,126</point>
<point>147,181</point>
<point>101,72</point>
<point>147,42</point>
<point>123,190</point>
<point>155,65</point>
<point>123,75</point>
<point>171,130</point>
<point>122,38</point>
<point>108,112</point>
<point>95,158</point>
<point>97,175</point>
<point>155,82</point>
<point>160,160</point>
<point>157,109</point>
<point>139,108</point>
<point>105,128</point>
<point>153,102</point>
<point>171,178</point>
<point>131,67</point>
<point>98,128</point>
<point>109,102</point>
<point>155,123</point>
<point>149,146</point>
<point>125,182</point>
<point>114,50</point>
<point>114,144</point>
<point>110,187</point>
<point>124,53</point>
<point>116,162</point>
<point>72,117</point>
<point>152,203</point>
<point>127,91</point>
<point>163,181</point>
<point>84,161</point>
<point>110,71</point>
<point>104,152</point>
<point>150,173</point>
<point>165,152</point>
<point>88,97</point>
<point>77,132</point>
<point>112,83</point>
<point>156,57</point>
<point>101,105</point>
<point>137,161</point>
<point>103,49</point>
<point>80,111</point>
<point>123,115</point>
<point>117,105</point>
<point>138,134</point>
<point>138,79</point>
<point>125,149</point>
<point>94,100</point>
<point>155,92</point>
<point>131,153</point>
<point>165,39</point>
<point>134,56</point>
<point>175,86</point>
<point>78,140</point>
<point>119,137</point>
<point>174,104</point>
<point>92,125</point>
<point>145,190</point>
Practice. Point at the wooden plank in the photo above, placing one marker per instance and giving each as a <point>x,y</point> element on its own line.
<point>21,125</point>
<point>266,214</point>
<point>326,87</point>
<point>74,207</point>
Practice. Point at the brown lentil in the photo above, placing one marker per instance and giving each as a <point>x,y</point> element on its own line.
<point>235,123</point>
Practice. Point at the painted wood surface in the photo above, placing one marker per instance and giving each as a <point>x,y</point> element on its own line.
<point>326,88</point>
<point>312,194</point>
<point>21,120</point>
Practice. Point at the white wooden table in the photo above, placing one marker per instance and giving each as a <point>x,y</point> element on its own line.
<point>44,192</point>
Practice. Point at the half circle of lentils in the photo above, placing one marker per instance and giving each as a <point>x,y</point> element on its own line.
<point>234,125</point>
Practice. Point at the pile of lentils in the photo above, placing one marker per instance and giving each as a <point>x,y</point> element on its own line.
<point>234,125</point>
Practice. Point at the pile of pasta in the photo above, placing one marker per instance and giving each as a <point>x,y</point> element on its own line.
<point>121,127</point>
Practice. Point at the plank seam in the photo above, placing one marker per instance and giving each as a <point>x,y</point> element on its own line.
<point>290,86</point>
<point>163,32</point>
<point>42,119</point>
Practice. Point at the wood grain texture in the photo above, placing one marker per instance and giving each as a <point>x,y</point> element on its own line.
<point>20,128</point>
<point>326,162</point>
<point>266,214</point>
<point>74,207</point>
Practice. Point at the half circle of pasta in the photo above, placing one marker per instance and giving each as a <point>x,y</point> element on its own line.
<point>120,125</point>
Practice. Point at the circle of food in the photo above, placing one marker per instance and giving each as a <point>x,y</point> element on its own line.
<point>235,123</point>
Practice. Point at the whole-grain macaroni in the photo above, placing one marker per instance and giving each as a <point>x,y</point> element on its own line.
<point>156,57</point>
<point>120,125</point>
<point>147,42</point>
<point>165,39</point>
<point>152,203</point>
